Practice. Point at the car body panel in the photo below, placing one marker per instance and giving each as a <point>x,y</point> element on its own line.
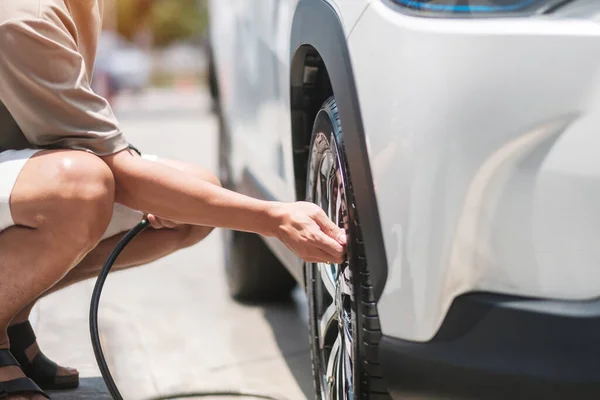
<point>482,140</point>
<point>257,35</point>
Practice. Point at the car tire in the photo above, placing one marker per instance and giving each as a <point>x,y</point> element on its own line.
<point>253,272</point>
<point>344,324</point>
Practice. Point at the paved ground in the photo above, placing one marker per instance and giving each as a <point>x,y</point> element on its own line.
<point>170,326</point>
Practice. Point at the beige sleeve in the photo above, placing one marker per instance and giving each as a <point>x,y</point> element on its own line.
<point>44,85</point>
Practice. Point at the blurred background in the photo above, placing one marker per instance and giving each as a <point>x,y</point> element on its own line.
<point>149,44</point>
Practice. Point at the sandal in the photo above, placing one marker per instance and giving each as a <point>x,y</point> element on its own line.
<point>16,386</point>
<point>41,369</point>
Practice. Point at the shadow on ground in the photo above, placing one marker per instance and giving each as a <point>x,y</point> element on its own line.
<point>288,320</point>
<point>89,389</point>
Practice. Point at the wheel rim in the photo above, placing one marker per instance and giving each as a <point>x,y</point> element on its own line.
<point>333,292</point>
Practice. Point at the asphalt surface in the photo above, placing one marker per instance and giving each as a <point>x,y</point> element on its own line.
<point>170,326</point>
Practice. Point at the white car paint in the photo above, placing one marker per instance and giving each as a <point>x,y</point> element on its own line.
<point>262,141</point>
<point>482,142</point>
<point>480,138</point>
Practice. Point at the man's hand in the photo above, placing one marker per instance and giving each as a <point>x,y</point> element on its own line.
<point>160,223</point>
<point>303,227</point>
<point>306,230</point>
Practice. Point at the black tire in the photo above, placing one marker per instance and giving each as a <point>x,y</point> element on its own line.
<point>253,272</point>
<point>355,302</point>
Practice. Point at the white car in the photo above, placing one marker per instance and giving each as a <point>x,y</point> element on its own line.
<point>458,143</point>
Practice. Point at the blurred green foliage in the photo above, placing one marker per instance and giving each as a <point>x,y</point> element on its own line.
<point>168,20</point>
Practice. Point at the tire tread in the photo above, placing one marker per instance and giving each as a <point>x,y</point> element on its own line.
<point>254,273</point>
<point>373,384</point>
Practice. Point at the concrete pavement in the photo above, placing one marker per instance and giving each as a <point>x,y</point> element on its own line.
<point>170,326</point>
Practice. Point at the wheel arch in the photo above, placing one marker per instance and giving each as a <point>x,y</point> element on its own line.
<point>320,67</point>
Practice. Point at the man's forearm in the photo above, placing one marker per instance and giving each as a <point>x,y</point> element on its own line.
<point>170,193</point>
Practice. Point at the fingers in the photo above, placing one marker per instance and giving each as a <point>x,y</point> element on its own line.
<point>331,246</point>
<point>320,256</point>
<point>160,223</point>
<point>154,221</point>
<point>330,228</point>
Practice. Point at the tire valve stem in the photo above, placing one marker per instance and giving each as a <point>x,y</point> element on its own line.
<point>330,380</point>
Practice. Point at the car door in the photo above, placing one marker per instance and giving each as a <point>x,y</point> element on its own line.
<point>259,116</point>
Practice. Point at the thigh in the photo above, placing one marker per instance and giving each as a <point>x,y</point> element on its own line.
<point>49,185</point>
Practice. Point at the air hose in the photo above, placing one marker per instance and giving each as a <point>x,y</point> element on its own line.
<point>95,333</point>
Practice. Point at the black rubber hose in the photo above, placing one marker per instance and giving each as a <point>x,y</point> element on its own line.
<point>95,332</point>
<point>217,393</point>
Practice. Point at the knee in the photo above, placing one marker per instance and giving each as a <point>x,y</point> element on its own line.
<point>191,234</point>
<point>84,189</point>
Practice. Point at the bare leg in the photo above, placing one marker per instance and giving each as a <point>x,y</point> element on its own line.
<point>61,203</point>
<point>149,246</point>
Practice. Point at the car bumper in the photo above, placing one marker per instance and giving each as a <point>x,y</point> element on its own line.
<point>483,145</point>
<point>501,347</point>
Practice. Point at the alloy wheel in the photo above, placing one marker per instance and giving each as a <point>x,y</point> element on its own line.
<point>334,305</point>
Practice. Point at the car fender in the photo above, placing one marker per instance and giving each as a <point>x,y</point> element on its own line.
<point>316,24</point>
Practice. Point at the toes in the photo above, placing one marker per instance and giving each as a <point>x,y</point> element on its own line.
<point>64,371</point>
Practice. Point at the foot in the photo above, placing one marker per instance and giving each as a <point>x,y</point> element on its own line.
<point>34,350</point>
<point>13,383</point>
<point>43,371</point>
<point>11,373</point>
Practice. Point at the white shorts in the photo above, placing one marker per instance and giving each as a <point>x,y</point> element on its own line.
<point>11,164</point>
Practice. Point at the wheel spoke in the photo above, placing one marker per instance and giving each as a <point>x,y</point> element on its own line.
<point>348,352</point>
<point>345,282</point>
<point>340,379</point>
<point>347,378</point>
<point>324,177</point>
<point>329,274</point>
<point>333,368</point>
<point>338,199</point>
<point>347,337</point>
<point>331,192</point>
<point>320,199</point>
<point>329,318</point>
<point>343,379</point>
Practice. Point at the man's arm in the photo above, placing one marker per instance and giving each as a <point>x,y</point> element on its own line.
<point>170,193</point>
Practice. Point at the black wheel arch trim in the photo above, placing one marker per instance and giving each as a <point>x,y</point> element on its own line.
<point>316,24</point>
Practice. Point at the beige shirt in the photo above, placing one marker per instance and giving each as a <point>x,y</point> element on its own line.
<point>47,51</point>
